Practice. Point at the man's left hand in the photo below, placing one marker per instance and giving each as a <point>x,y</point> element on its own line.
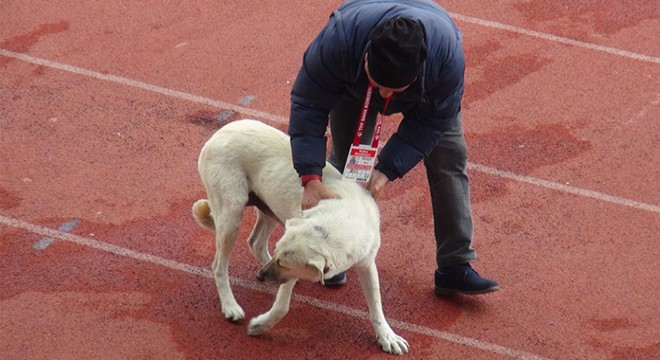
<point>377,183</point>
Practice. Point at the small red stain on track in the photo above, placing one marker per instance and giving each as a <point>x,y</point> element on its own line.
<point>522,150</point>
<point>23,42</point>
<point>8,200</point>
<point>493,69</point>
<point>607,17</point>
<point>611,324</point>
<point>646,353</point>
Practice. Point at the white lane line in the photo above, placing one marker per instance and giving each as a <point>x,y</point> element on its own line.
<point>565,188</point>
<point>283,120</point>
<point>645,109</point>
<point>142,85</point>
<point>66,227</point>
<point>253,285</point>
<point>555,38</point>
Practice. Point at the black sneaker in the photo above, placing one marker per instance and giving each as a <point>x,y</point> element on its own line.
<point>336,281</point>
<point>462,279</point>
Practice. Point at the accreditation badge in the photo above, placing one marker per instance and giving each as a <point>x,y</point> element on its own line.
<point>360,162</point>
<point>362,157</point>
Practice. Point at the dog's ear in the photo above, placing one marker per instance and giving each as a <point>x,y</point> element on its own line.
<point>319,264</point>
<point>293,222</point>
<point>322,265</point>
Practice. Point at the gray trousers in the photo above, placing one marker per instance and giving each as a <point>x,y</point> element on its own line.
<point>446,170</point>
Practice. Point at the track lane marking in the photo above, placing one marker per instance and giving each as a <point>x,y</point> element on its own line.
<point>555,38</point>
<point>142,85</point>
<point>262,288</point>
<point>47,241</point>
<point>279,119</point>
<point>565,188</point>
<point>282,120</point>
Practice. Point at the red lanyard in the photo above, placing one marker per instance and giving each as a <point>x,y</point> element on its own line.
<point>363,118</point>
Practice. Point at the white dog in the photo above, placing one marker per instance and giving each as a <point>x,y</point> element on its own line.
<point>249,163</point>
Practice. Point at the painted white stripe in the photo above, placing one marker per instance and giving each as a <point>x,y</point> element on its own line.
<point>279,119</point>
<point>565,188</point>
<point>555,38</point>
<point>142,85</point>
<point>66,227</point>
<point>282,120</point>
<point>259,287</point>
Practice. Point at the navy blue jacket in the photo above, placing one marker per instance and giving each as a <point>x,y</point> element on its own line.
<point>333,69</point>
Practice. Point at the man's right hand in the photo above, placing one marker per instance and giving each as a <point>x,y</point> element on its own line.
<point>314,192</point>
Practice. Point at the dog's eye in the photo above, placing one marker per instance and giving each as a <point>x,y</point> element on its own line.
<point>279,263</point>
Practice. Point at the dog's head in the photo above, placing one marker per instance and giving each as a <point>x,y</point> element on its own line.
<point>298,254</point>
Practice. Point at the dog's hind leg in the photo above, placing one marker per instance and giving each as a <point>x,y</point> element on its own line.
<point>258,240</point>
<point>227,222</point>
<point>388,340</point>
<point>258,325</point>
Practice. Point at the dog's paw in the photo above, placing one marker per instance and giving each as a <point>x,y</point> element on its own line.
<point>233,313</point>
<point>393,344</point>
<point>258,325</point>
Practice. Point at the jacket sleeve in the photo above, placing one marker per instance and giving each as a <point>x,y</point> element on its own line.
<point>316,90</point>
<point>423,125</point>
<point>418,133</point>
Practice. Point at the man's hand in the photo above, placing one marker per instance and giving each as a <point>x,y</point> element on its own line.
<point>377,183</point>
<point>315,191</point>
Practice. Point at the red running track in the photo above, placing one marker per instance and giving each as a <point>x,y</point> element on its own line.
<point>105,105</point>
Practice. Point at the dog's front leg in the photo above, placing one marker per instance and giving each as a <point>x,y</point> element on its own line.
<point>388,340</point>
<point>259,324</point>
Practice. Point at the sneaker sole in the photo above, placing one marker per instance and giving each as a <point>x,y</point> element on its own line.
<point>446,291</point>
<point>334,284</point>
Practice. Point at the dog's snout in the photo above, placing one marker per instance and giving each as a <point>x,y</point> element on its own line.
<point>260,276</point>
<point>270,275</point>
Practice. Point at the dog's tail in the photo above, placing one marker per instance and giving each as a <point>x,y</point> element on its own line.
<point>202,214</point>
